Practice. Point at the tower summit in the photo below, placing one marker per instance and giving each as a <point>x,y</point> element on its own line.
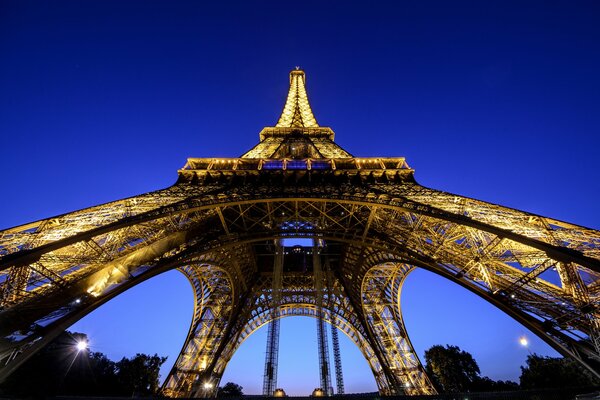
<point>221,225</point>
<point>297,112</point>
<point>297,135</point>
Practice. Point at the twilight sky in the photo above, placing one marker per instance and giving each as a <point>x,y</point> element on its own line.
<point>496,100</point>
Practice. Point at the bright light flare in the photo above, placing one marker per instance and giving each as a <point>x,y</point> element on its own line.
<point>208,385</point>
<point>81,345</point>
<point>523,341</point>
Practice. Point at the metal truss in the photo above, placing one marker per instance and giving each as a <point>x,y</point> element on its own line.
<point>218,225</point>
<point>381,288</point>
<point>322,343</point>
<point>337,356</point>
<point>513,271</point>
<point>299,298</point>
<point>214,301</point>
<point>272,352</point>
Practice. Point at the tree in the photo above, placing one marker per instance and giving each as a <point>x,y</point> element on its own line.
<point>139,375</point>
<point>485,384</point>
<point>229,390</point>
<point>451,369</point>
<point>549,372</point>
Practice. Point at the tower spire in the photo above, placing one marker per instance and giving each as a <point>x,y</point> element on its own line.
<point>297,112</point>
<point>297,134</point>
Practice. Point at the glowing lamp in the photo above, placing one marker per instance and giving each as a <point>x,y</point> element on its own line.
<point>81,345</point>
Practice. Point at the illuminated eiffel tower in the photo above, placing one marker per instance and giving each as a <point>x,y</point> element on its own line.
<point>224,224</point>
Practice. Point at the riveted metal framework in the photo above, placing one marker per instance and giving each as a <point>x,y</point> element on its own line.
<point>272,353</point>
<point>323,346</point>
<point>218,224</point>
<point>335,341</point>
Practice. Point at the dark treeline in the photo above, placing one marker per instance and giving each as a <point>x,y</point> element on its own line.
<point>453,370</point>
<point>62,369</point>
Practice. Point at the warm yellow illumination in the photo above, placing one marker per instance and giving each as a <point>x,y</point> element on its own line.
<point>297,112</point>
<point>523,341</point>
<point>279,393</point>
<point>318,392</point>
<point>208,385</point>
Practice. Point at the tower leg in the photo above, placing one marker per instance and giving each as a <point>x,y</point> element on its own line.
<point>197,372</point>
<point>381,305</point>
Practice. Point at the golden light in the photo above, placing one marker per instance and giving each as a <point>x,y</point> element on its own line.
<point>208,385</point>
<point>523,341</point>
<point>318,392</point>
<point>279,393</point>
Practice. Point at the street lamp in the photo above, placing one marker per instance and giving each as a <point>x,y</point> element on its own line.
<point>207,388</point>
<point>523,341</point>
<point>81,345</point>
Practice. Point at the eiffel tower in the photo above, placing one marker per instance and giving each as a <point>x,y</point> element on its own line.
<point>224,224</point>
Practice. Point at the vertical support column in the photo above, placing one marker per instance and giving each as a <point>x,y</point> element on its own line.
<point>271,359</point>
<point>272,353</point>
<point>324,371</point>
<point>337,357</point>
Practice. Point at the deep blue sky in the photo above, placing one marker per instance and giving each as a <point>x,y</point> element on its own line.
<point>494,100</point>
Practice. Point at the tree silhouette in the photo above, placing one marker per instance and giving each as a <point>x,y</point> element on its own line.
<point>549,372</point>
<point>62,369</point>
<point>451,369</point>
<point>139,375</point>
<point>230,389</point>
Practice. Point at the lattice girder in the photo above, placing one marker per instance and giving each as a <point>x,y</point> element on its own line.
<point>462,240</point>
<point>215,298</point>
<point>380,295</point>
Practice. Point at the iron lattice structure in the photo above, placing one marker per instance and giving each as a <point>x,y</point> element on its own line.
<point>272,352</point>
<point>220,223</point>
